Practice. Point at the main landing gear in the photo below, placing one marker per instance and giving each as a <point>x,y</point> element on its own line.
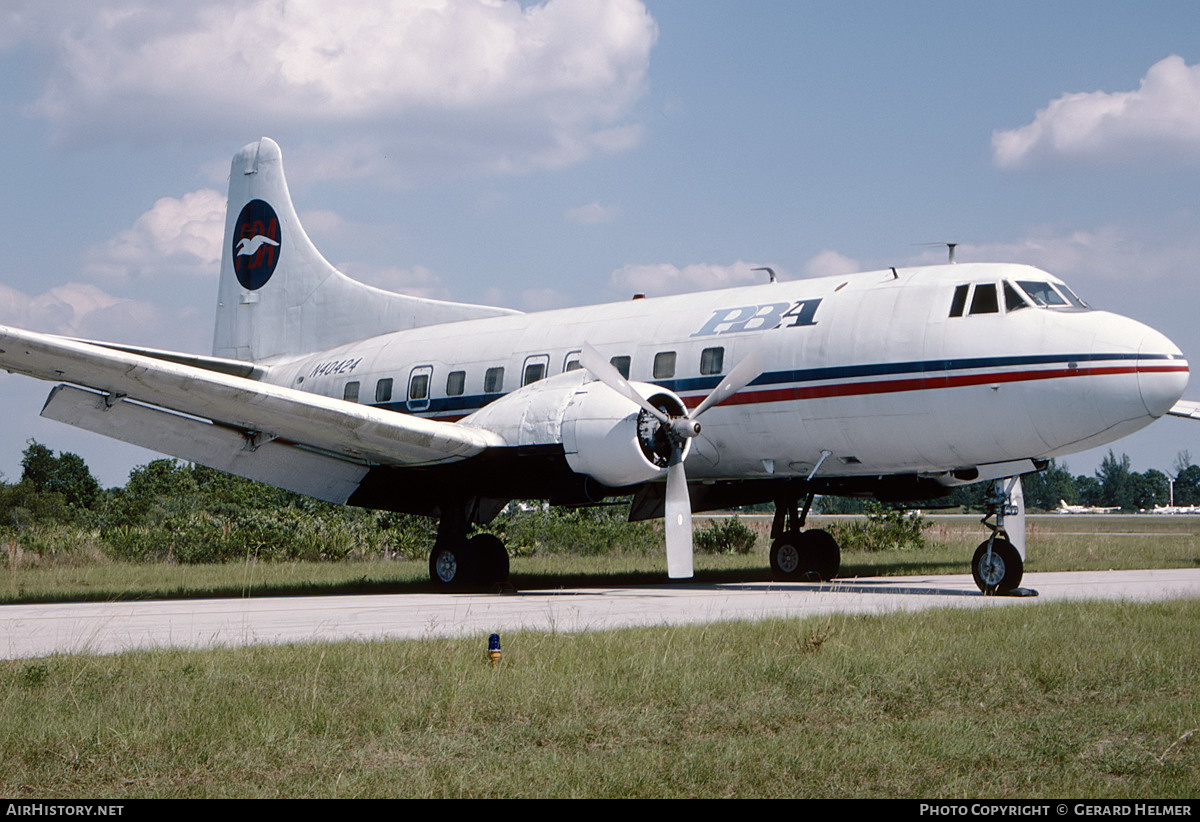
<point>461,563</point>
<point>801,556</point>
<point>998,564</point>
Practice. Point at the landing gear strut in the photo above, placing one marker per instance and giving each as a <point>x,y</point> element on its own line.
<point>459,563</point>
<point>801,556</point>
<point>998,564</point>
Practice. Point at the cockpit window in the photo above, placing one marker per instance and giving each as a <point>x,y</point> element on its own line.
<point>1013,300</point>
<point>960,301</point>
<point>1070,295</point>
<point>985,300</point>
<point>1042,293</point>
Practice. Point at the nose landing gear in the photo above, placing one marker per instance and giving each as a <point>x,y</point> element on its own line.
<point>999,561</point>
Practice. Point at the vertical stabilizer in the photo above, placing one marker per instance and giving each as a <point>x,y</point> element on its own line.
<point>278,296</point>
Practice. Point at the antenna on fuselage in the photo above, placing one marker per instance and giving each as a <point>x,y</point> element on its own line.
<point>949,246</point>
<point>770,272</point>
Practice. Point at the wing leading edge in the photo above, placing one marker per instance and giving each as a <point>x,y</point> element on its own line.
<point>230,422</point>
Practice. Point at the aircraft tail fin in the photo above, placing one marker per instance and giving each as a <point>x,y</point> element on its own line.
<point>278,296</point>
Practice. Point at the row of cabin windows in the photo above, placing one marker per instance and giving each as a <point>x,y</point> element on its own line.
<point>712,361</point>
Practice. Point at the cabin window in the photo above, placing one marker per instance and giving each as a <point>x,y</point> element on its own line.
<point>456,383</point>
<point>383,390</point>
<point>712,361</point>
<point>1012,299</point>
<point>985,299</point>
<point>418,387</point>
<point>493,381</point>
<point>664,365</point>
<point>960,301</point>
<point>622,365</point>
<point>571,362</point>
<point>534,371</point>
<point>350,394</point>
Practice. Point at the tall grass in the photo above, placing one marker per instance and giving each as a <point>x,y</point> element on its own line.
<point>1081,700</point>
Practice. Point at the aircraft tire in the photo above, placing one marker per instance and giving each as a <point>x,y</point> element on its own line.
<point>824,555</point>
<point>808,556</point>
<point>492,557</point>
<point>453,565</point>
<point>1003,573</point>
<point>786,558</point>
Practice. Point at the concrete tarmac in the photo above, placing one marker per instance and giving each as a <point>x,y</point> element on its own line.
<point>28,631</point>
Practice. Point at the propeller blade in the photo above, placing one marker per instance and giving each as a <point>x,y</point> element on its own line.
<point>734,381</point>
<point>607,373</point>
<point>678,519</point>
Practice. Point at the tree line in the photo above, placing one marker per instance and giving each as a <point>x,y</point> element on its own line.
<point>1113,485</point>
<point>178,512</point>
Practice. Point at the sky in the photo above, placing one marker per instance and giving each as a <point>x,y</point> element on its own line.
<point>546,154</point>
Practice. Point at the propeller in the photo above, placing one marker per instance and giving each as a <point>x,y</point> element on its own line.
<point>678,504</point>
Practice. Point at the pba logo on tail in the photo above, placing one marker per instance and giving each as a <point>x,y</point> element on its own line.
<point>255,244</point>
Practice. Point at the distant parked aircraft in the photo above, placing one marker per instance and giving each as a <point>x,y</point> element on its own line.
<point>1063,508</point>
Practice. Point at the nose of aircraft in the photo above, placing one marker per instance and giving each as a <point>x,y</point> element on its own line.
<point>1162,372</point>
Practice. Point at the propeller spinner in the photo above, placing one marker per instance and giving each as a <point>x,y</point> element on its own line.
<point>673,432</point>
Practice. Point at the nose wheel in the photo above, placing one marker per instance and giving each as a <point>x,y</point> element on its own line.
<point>998,563</point>
<point>997,567</point>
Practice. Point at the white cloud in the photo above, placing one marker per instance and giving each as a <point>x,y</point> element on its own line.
<point>175,238</point>
<point>1160,120</point>
<point>829,263</point>
<point>1120,254</point>
<point>664,278</point>
<point>77,309</point>
<point>487,82</point>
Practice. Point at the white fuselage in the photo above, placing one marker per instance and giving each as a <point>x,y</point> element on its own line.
<point>871,368</point>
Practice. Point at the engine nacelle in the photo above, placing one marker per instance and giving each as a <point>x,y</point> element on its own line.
<point>612,440</point>
<point>604,435</point>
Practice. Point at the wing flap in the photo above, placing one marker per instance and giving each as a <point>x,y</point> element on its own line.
<point>346,429</point>
<point>275,463</point>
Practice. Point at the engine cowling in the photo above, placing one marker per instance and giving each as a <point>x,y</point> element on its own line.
<point>604,435</point>
<point>609,438</point>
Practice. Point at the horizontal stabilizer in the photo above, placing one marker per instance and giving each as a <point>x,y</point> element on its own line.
<point>1185,408</point>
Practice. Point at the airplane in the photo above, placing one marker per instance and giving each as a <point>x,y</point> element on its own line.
<point>1064,508</point>
<point>1176,509</point>
<point>898,384</point>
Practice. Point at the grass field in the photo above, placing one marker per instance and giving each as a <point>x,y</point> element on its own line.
<point>1085,700</point>
<point>1036,701</point>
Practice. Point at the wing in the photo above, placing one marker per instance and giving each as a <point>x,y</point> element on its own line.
<point>308,443</point>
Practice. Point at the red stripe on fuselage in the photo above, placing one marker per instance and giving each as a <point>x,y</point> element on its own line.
<point>930,383</point>
<point>851,389</point>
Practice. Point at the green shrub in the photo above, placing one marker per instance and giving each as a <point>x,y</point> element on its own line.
<point>882,530</point>
<point>579,531</point>
<point>725,536</point>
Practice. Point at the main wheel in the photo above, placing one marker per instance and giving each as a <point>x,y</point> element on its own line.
<point>825,557</point>
<point>785,558</point>
<point>492,556</point>
<point>453,564</point>
<point>809,556</point>
<point>1000,573</point>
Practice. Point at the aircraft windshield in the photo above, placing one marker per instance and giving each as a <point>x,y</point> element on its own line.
<point>1051,295</point>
